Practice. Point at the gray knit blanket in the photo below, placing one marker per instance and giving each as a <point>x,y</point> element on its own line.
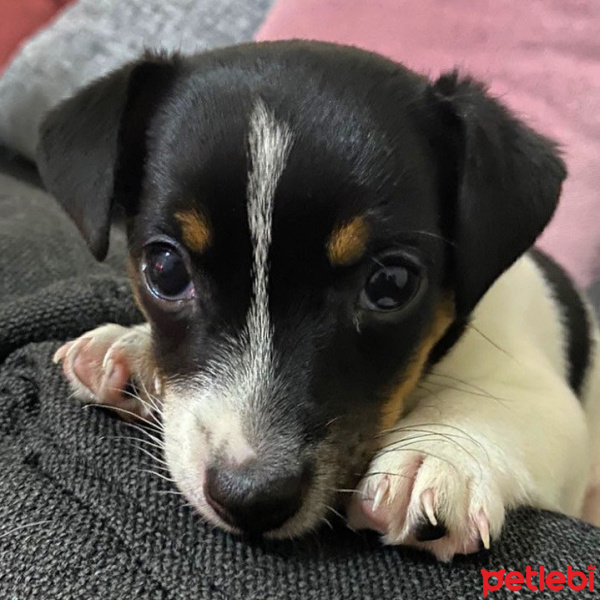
<point>85,513</point>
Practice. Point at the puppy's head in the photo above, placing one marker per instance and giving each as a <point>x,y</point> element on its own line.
<point>308,226</point>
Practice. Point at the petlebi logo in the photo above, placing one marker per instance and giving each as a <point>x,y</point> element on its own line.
<point>539,580</point>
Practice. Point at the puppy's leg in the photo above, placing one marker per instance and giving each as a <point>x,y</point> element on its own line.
<point>112,365</point>
<point>446,474</point>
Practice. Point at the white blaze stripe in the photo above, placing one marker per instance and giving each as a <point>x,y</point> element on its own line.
<point>240,374</point>
<point>269,144</point>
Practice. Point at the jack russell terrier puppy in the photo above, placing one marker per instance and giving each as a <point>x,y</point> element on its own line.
<point>333,256</point>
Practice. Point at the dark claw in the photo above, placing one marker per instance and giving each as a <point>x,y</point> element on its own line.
<point>426,532</point>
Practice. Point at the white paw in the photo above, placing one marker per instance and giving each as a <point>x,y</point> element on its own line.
<point>431,487</point>
<point>112,365</point>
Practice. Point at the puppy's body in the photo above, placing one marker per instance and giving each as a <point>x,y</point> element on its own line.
<point>313,231</point>
<point>502,394</point>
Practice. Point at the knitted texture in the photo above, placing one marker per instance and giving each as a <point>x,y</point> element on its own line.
<point>83,517</point>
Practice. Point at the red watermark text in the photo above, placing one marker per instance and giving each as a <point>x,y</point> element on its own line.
<point>540,580</point>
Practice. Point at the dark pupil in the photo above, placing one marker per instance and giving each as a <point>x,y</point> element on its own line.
<point>390,287</point>
<point>167,272</point>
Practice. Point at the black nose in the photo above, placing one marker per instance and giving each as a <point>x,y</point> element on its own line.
<point>253,499</point>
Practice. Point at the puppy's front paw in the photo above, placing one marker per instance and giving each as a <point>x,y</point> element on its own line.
<point>428,490</point>
<point>111,365</point>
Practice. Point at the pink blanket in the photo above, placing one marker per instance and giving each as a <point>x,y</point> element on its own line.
<point>541,56</point>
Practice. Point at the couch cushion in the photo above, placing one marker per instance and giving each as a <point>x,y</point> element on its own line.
<point>21,19</point>
<point>540,56</point>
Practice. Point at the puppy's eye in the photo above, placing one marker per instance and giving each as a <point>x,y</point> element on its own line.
<point>390,288</point>
<point>166,273</point>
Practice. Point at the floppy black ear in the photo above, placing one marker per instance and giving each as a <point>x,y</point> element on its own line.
<point>508,181</point>
<point>92,146</point>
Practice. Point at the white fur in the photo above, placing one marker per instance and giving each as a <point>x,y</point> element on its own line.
<point>495,425</point>
<point>269,143</point>
<point>591,402</point>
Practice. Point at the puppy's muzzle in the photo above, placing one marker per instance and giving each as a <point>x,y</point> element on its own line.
<point>253,498</point>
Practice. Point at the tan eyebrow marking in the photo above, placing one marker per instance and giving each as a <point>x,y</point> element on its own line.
<point>195,229</point>
<point>442,318</point>
<point>348,242</point>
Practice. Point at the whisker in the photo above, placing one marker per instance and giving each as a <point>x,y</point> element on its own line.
<point>148,434</point>
<point>423,433</point>
<point>336,512</point>
<point>377,262</point>
<point>132,395</point>
<point>420,428</point>
<point>332,421</point>
<point>464,434</point>
<point>502,401</point>
<point>161,463</point>
<point>430,424</point>
<point>155,413</point>
<point>121,410</point>
<point>24,526</point>
<point>405,444</point>
<point>374,473</point>
<point>136,397</point>
<point>426,453</point>
<point>429,234</point>
<point>136,439</point>
<point>344,491</point>
<point>482,392</point>
<point>485,337</point>
<point>169,479</point>
<point>156,401</point>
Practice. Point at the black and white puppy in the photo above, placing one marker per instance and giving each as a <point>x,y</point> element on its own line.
<point>331,252</point>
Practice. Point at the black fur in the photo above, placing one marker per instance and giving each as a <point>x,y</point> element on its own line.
<point>81,154</point>
<point>426,532</point>
<point>509,181</point>
<point>575,319</point>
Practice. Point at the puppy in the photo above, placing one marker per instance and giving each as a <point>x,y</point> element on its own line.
<point>332,255</point>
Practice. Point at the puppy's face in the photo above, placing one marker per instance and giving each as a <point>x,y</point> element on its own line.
<point>294,216</point>
<point>289,256</point>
